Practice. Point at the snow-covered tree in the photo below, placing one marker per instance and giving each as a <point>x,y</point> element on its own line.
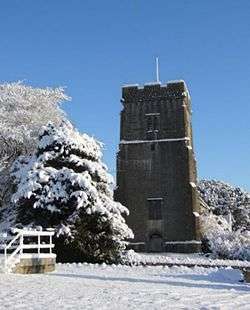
<point>223,199</point>
<point>224,238</point>
<point>23,111</point>
<point>65,185</point>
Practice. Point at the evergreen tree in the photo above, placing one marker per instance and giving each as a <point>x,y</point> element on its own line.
<point>65,185</point>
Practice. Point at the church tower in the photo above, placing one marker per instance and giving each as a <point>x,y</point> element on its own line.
<point>156,168</point>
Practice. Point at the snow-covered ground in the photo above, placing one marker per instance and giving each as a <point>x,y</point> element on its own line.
<point>86,286</point>
<point>186,259</point>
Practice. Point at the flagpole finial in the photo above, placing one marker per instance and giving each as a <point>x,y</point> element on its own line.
<point>157,70</point>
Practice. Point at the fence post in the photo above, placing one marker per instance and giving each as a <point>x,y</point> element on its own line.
<point>50,243</point>
<point>5,258</point>
<point>21,244</point>
<point>39,242</point>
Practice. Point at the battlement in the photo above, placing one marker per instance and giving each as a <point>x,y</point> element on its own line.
<point>172,88</point>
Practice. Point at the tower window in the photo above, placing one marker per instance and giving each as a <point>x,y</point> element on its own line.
<point>156,122</point>
<point>153,125</point>
<point>153,121</point>
<point>149,123</point>
<point>155,208</point>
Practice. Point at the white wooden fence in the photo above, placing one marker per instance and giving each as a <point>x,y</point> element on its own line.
<point>18,246</point>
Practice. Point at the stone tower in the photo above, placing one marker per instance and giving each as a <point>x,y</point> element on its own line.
<point>156,168</point>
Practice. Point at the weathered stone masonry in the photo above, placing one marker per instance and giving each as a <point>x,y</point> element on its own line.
<point>156,168</point>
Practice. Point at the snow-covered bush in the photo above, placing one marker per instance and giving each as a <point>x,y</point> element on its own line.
<point>65,185</point>
<point>131,258</point>
<point>23,111</point>
<point>226,239</point>
<point>222,241</point>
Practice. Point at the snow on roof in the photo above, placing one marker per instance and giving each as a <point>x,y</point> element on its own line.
<point>157,83</point>
<point>152,83</point>
<point>130,85</point>
<point>176,81</point>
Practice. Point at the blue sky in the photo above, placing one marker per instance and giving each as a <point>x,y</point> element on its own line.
<point>94,47</point>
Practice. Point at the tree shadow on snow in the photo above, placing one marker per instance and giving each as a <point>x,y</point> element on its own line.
<point>216,286</point>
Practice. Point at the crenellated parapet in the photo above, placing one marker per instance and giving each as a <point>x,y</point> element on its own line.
<point>173,89</point>
<point>165,104</point>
